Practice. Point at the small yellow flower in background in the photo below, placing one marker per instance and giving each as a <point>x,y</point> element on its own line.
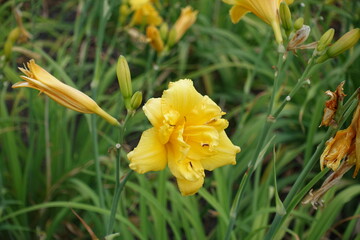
<point>266,10</point>
<point>345,144</point>
<point>153,35</point>
<point>187,135</point>
<point>145,13</point>
<point>185,21</point>
<point>39,79</point>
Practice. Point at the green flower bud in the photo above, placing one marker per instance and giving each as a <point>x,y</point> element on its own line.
<point>285,16</point>
<point>325,39</point>
<point>172,37</point>
<point>347,41</point>
<point>136,100</point>
<point>124,77</point>
<point>164,31</point>
<point>14,35</point>
<point>298,23</point>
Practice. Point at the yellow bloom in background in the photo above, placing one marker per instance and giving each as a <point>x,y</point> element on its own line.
<point>39,79</point>
<point>153,35</point>
<point>266,10</point>
<point>185,21</point>
<point>187,135</point>
<point>145,13</point>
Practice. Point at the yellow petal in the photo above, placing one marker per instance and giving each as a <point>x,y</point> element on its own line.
<point>149,155</point>
<point>204,112</point>
<point>152,110</point>
<point>226,154</point>
<point>182,96</point>
<point>188,188</point>
<point>42,75</point>
<point>237,12</point>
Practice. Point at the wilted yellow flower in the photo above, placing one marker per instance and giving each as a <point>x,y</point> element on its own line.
<point>346,143</point>
<point>154,37</point>
<point>267,10</point>
<point>185,21</point>
<point>331,105</point>
<point>145,13</point>
<point>38,78</point>
<point>187,135</point>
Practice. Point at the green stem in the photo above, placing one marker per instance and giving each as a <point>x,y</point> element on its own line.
<point>291,201</point>
<point>272,116</point>
<point>119,185</point>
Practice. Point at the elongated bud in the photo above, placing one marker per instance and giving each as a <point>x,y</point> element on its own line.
<point>153,35</point>
<point>344,43</point>
<point>285,16</point>
<point>136,100</point>
<point>298,23</point>
<point>172,37</point>
<point>14,35</point>
<point>347,41</point>
<point>325,39</point>
<point>124,79</point>
<point>164,31</point>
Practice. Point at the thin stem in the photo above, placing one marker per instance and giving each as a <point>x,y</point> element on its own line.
<point>266,130</point>
<point>118,184</point>
<point>47,146</point>
<point>289,203</point>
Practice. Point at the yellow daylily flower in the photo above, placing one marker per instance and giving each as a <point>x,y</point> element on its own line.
<point>184,22</point>
<point>187,135</point>
<point>39,79</point>
<point>145,13</point>
<point>266,10</point>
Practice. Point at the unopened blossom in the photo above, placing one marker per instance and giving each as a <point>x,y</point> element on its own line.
<point>187,136</point>
<point>38,78</point>
<point>145,13</point>
<point>153,35</point>
<point>184,22</point>
<point>266,10</point>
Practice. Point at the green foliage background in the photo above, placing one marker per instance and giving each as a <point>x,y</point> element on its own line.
<point>47,152</point>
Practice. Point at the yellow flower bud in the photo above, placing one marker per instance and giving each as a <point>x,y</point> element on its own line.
<point>136,100</point>
<point>124,78</point>
<point>285,16</point>
<point>153,36</point>
<point>184,22</point>
<point>298,23</point>
<point>344,43</point>
<point>172,38</point>
<point>325,39</point>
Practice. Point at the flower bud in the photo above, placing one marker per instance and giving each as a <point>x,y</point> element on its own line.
<point>136,100</point>
<point>172,37</point>
<point>344,43</point>
<point>325,39</point>
<point>14,35</point>
<point>164,31</point>
<point>153,35</point>
<point>347,41</point>
<point>285,16</point>
<point>298,23</point>
<point>124,78</point>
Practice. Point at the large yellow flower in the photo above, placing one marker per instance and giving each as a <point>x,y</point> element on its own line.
<point>187,135</point>
<point>267,10</point>
<point>38,78</point>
